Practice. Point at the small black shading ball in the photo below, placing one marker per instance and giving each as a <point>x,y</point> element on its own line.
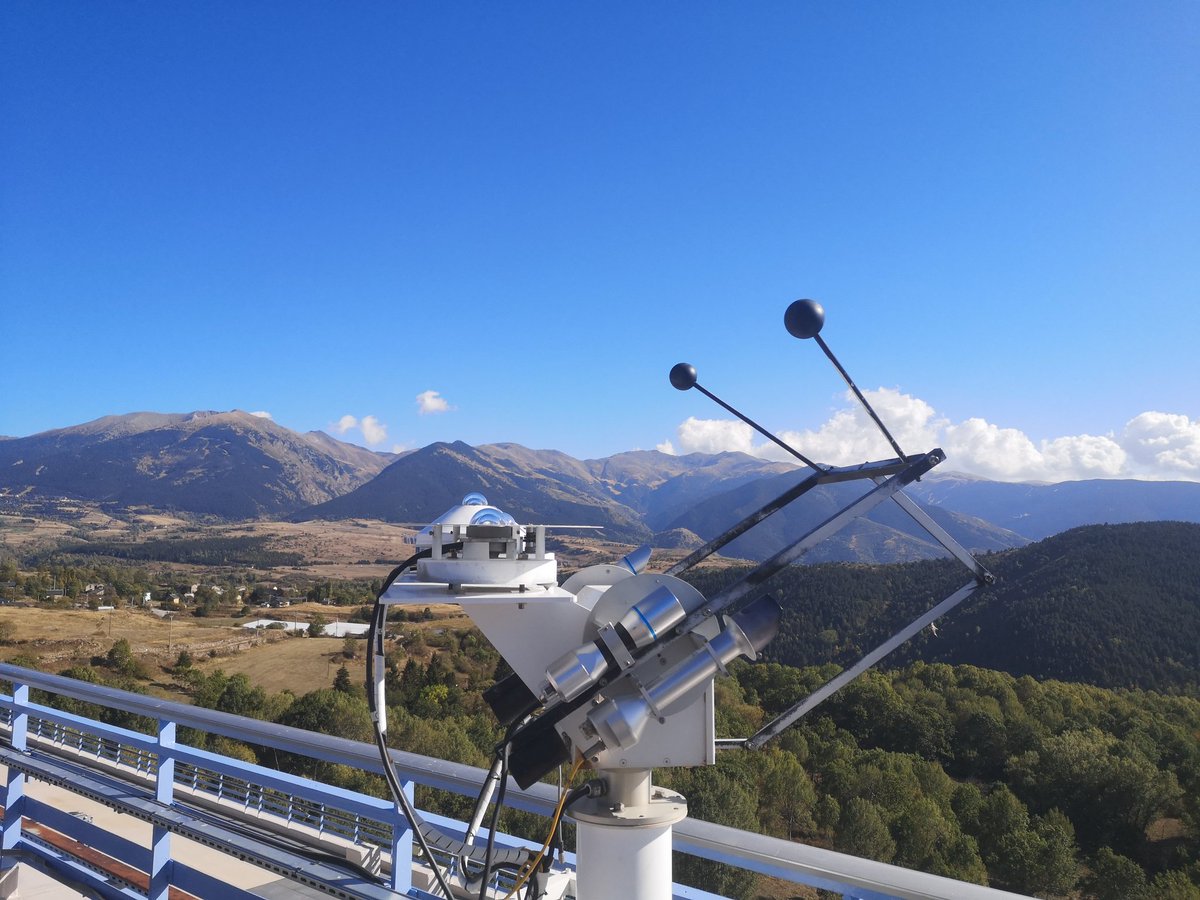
<point>804,318</point>
<point>683,376</point>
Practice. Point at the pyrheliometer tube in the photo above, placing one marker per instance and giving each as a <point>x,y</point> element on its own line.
<point>643,624</point>
<point>621,720</point>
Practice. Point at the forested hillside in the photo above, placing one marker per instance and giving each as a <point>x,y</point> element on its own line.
<point>1111,605</point>
<point>1016,778</point>
<point>1045,788</point>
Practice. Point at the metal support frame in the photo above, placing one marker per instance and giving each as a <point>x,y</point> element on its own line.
<point>939,534</point>
<point>14,787</point>
<point>161,864</point>
<point>400,879</point>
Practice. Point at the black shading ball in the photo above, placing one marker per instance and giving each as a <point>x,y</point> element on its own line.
<point>804,318</point>
<point>683,376</point>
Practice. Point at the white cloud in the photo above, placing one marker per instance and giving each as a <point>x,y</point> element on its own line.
<point>373,431</point>
<point>715,436</point>
<point>1165,443</point>
<point>261,414</point>
<point>666,447</point>
<point>431,402</point>
<point>979,447</point>
<point>1152,445</point>
<point>851,436</point>
<point>1086,455</point>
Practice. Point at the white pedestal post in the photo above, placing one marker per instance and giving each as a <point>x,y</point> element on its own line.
<point>623,843</point>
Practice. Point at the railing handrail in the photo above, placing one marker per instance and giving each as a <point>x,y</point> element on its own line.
<point>430,771</point>
<point>755,852</point>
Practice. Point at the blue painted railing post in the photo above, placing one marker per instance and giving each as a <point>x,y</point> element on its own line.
<point>14,787</point>
<point>402,838</point>
<point>160,856</point>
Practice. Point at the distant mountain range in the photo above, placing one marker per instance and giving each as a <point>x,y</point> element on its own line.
<point>632,495</point>
<point>1036,511</point>
<point>235,465</point>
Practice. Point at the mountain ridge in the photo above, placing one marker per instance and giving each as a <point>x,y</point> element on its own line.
<point>230,464</point>
<point>237,466</point>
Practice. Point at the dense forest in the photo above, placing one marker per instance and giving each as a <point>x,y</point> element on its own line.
<point>1110,605</point>
<point>1041,787</point>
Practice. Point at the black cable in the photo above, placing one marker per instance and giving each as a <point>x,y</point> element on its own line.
<point>375,642</point>
<point>501,749</point>
<point>594,788</point>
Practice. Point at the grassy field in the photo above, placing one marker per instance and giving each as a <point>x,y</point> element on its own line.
<point>58,639</point>
<point>301,664</point>
<point>296,664</point>
<point>62,637</point>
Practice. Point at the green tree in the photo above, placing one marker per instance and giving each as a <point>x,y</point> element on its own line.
<point>788,796</point>
<point>1115,877</point>
<point>714,796</point>
<point>432,702</point>
<point>1001,814</point>
<point>1174,885</point>
<point>241,697</point>
<point>330,712</point>
<point>316,625</point>
<point>863,831</point>
<point>827,813</point>
<point>120,659</point>
<point>341,681</point>
<point>1057,867</point>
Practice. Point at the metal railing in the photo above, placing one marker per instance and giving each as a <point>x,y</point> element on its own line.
<point>176,774</point>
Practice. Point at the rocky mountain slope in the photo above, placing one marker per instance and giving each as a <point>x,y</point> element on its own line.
<point>229,464</point>
<point>625,494</point>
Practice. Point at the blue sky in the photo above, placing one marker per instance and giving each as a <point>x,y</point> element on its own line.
<point>326,211</point>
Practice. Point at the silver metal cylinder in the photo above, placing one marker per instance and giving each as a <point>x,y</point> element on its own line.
<point>577,670</point>
<point>643,624</point>
<point>653,616</point>
<point>621,720</point>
